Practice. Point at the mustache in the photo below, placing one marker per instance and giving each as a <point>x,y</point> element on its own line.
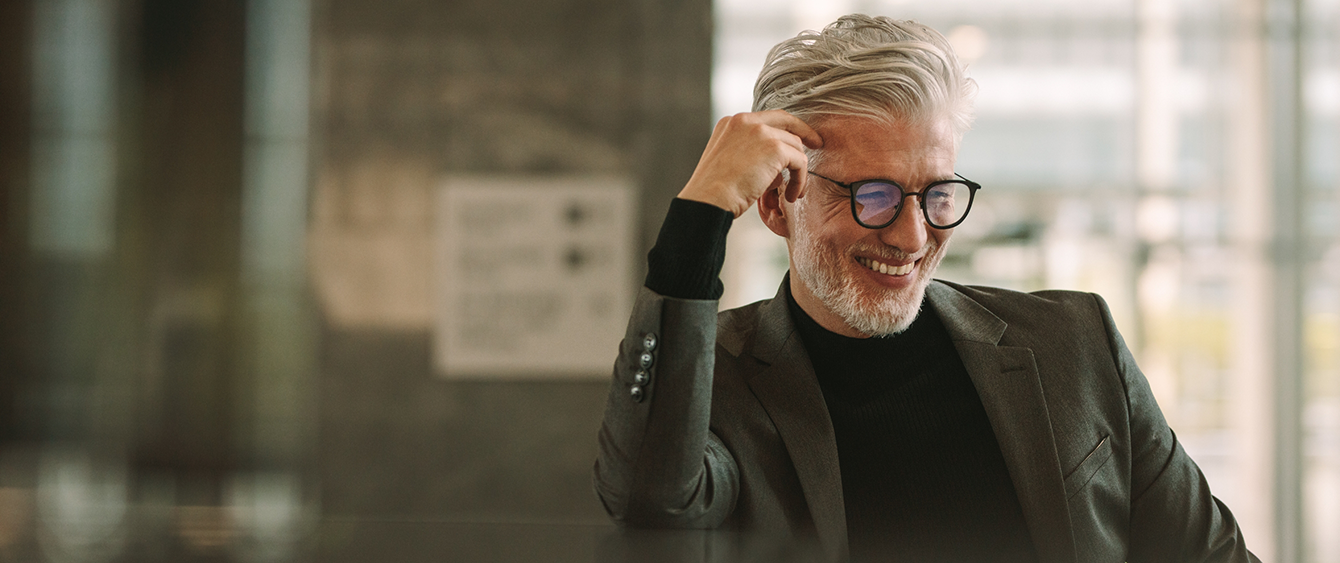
<point>892,254</point>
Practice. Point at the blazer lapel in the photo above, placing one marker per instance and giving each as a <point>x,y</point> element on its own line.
<point>1011,391</point>
<point>790,393</point>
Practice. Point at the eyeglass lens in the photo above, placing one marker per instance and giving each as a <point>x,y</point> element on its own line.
<point>878,202</point>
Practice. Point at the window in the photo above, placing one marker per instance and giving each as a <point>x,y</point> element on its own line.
<point>1171,156</point>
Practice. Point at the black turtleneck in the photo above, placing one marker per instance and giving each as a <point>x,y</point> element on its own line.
<point>923,478</point>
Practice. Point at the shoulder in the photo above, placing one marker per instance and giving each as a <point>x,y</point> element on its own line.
<point>735,327</point>
<point>1009,297</point>
<point>742,318</point>
<point>1028,317</point>
<point>1010,305</point>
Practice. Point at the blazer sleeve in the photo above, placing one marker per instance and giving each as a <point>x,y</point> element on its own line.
<point>658,463</point>
<point>1173,518</point>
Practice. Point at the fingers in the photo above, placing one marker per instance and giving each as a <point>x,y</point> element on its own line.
<point>798,135</point>
<point>746,153</point>
<point>798,165</point>
<point>793,125</point>
<point>795,187</point>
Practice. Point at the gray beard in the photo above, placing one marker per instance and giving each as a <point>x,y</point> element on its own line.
<point>871,312</point>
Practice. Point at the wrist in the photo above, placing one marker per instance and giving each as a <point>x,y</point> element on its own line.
<point>716,196</point>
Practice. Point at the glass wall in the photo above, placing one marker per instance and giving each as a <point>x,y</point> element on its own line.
<point>219,222</point>
<point>1178,157</point>
<point>216,248</point>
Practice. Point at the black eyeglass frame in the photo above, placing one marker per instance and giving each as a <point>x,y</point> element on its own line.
<point>853,186</point>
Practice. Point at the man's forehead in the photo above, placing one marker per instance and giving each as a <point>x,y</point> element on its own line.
<point>855,141</point>
<point>872,127</point>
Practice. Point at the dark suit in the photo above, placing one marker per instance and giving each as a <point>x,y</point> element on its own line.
<point>732,430</point>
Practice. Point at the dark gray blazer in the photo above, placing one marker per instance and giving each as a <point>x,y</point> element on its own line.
<point>730,429</point>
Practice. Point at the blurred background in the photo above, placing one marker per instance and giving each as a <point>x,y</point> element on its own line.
<point>341,280</point>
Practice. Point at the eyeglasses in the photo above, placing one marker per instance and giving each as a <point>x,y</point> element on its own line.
<point>876,203</point>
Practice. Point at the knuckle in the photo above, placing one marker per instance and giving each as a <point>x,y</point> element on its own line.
<point>735,122</point>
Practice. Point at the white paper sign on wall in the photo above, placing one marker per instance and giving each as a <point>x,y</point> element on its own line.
<point>532,275</point>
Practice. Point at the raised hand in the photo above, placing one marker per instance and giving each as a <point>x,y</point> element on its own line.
<point>750,154</point>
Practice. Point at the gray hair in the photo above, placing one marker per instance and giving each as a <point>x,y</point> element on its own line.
<point>865,66</point>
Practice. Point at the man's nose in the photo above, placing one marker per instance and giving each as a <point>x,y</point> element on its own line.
<point>909,231</point>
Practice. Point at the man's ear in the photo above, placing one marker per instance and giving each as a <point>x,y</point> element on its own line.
<point>773,214</point>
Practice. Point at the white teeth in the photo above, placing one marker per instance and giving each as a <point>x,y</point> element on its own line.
<point>885,268</point>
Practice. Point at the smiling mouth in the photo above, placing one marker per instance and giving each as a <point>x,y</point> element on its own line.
<point>883,268</point>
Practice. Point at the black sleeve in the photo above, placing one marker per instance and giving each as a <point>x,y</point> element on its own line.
<point>690,250</point>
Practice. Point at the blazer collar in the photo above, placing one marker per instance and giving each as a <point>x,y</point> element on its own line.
<point>1006,379</point>
<point>1008,384</point>
<point>790,393</point>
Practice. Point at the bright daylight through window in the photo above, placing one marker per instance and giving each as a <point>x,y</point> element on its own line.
<point>1182,159</point>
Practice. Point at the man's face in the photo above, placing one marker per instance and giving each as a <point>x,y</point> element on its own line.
<point>858,281</point>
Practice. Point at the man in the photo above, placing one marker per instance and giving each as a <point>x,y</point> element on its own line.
<point>880,413</point>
